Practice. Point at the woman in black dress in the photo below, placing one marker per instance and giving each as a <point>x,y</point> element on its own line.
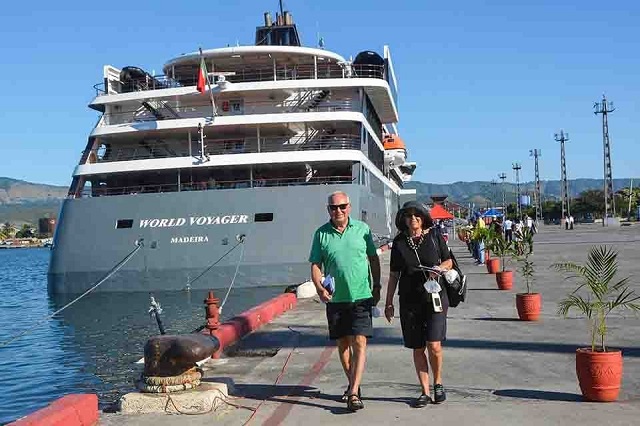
<point>424,325</point>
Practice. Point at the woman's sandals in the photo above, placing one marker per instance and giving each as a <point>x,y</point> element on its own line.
<point>345,395</point>
<point>354,403</point>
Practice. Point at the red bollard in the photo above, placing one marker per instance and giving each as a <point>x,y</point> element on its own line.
<point>212,313</point>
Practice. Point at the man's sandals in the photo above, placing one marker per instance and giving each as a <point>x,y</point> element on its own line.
<point>354,403</point>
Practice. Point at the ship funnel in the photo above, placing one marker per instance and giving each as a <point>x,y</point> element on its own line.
<point>267,19</point>
<point>288,19</point>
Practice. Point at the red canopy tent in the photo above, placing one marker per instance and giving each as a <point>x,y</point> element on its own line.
<point>439,212</point>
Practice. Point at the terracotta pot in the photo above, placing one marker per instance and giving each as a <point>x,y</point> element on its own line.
<point>493,265</point>
<point>599,374</point>
<point>529,306</point>
<point>504,280</point>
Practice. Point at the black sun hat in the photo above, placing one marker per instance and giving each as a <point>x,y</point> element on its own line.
<point>419,207</point>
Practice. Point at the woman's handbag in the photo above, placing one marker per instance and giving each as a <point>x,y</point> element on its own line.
<point>455,281</point>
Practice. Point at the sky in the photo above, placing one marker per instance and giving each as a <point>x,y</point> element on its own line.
<point>480,82</point>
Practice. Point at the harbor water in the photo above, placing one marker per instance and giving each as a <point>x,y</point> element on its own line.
<point>93,345</point>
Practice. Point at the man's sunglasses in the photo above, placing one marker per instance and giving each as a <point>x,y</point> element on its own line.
<point>335,207</point>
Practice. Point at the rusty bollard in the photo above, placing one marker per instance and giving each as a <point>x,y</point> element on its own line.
<point>212,313</point>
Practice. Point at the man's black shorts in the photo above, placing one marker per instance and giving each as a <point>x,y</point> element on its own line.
<point>350,319</point>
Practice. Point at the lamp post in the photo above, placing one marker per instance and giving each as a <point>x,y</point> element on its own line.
<point>502,177</point>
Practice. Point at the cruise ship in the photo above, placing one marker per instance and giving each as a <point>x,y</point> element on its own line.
<point>250,157</point>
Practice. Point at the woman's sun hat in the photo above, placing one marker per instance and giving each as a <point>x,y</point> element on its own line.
<point>420,208</point>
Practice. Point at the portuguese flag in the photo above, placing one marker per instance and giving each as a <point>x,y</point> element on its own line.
<point>202,76</point>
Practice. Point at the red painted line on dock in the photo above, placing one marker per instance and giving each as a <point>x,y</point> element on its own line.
<point>283,410</point>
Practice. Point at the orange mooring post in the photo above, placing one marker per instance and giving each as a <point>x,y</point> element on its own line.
<point>212,312</point>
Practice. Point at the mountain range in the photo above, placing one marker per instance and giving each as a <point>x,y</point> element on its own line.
<point>482,193</point>
<point>26,202</point>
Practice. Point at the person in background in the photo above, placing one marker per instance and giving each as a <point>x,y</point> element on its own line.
<point>423,309</point>
<point>496,225</point>
<point>508,229</point>
<point>480,244</point>
<point>517,235</point>
<point>343,249</point>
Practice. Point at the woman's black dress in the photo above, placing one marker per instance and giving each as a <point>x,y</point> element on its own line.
<point>420,323</point>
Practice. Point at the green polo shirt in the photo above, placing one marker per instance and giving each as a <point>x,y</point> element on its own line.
<point>344,257</point>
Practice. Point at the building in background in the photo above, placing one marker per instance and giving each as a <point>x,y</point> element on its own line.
<point>46,226</point>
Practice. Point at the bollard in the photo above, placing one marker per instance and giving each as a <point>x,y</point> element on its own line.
<point>212,313</point>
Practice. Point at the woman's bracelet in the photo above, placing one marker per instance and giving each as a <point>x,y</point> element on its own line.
<point>389,306</point>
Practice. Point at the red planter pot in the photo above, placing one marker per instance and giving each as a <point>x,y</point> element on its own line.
<point>493,265</point>
<point>599,374</point>
<point>529,306</point>
<point>504,280</point>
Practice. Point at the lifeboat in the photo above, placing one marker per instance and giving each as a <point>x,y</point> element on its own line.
<point>395,151</point>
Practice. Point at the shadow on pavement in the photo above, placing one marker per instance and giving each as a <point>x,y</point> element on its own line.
<point>291,394</point>
<point>389,336</point>
<point>527,346</point>
<point>538,395</point>
<point>497,319</point>
<point>401,400</point>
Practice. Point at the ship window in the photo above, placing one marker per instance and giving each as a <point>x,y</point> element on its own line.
<point>263,217</point>
<point>124,223</point>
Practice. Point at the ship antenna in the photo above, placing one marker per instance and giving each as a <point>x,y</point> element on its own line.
<point>281,9</point>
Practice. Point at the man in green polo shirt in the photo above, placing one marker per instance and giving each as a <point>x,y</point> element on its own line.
<point>343,249</point>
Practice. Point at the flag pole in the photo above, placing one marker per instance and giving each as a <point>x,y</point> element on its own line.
<point>213,104</point>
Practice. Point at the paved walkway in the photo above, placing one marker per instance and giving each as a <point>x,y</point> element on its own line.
<point>497,371</point>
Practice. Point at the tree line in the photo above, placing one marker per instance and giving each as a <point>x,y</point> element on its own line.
<point>7,230</point>
<point>589,203</point>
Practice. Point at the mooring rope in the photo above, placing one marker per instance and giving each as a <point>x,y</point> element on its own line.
<point>139,244</point>
<point>240,241</point>
<point>233,280</point>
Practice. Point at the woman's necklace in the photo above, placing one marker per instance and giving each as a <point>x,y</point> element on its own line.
<point>413,244</point>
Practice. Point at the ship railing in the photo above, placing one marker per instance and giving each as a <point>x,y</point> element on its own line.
<point>246,75</point>
<point>100,89</point>
<point>225,108</point>
<point>213,184</point>
<point>163,149</point>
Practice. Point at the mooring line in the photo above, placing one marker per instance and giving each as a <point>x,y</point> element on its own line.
<point>116,268</point>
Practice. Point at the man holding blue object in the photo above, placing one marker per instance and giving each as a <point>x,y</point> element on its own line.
<point>344,251</point>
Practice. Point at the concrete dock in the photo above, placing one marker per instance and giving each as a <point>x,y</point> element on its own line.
<point>497,369</point>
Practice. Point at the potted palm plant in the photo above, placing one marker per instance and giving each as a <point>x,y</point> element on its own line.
<point>528,304</point>
<point>504,250</point>
<point>599,367</point>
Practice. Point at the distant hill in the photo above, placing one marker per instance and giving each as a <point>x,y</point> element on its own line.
<point>481,192</point>
<point>13,191</point>
<point>26,202</point>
